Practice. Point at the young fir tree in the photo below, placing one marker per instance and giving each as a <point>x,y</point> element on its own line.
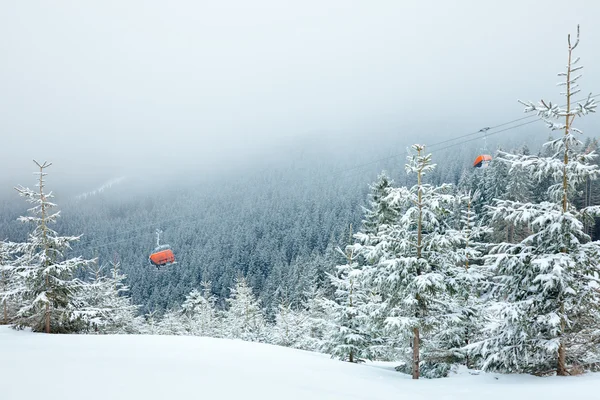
<point>244,318</point>
<point>148,324</point>
<point>465,281</point>
<point>50,285</point>
<point>11,286</point>
<point>408,263</point>
<point>318,320</point>
<point>519,188</point>
<point>291,326</point>
<point>171,323</point>
<point>199,314</point>
<point>349,339</point>
<point>104,306</point>
<point>380,212</point>
<point>547,283</point>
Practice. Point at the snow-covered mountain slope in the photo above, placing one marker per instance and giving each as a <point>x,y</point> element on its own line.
<point>38,366</point>
<point>105,186</point>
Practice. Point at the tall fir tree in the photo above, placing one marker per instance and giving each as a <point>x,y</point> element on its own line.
<point>350,338</point>
<point>50,285</point>
<point>547,283</point>
<point>408,263</point>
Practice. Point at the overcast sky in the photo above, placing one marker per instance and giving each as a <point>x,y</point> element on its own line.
<point>104,85</point>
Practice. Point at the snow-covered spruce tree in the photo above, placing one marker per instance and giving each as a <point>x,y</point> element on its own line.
<point>547,283</point>
<point>148,324</point>
<point>465,283</point>
<point>318,322</point>
<point>50,285</point>
<point>590,193</point>
<point>350,337</point>
<point>408,263</point>
<point>171,323</point>
<point>244,318</point>
<point>199,313</point>
<point>291,326</point>
<point>11,286</point>
<point>103,304</point>
<point>519,188</point>
<point>380,212</point>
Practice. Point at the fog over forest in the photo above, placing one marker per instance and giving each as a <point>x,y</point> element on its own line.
<point>197,89</point>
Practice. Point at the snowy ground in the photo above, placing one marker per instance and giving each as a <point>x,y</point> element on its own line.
<point>38,366</point>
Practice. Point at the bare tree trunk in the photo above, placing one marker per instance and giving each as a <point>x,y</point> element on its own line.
<point>5,306</point>
<point>47,318</point>
<point>47,313</point>
<point>45,239</point>
<point>416,339</point>
<point>415,366</point>
<point>561,368</point>
<point>467,341</point>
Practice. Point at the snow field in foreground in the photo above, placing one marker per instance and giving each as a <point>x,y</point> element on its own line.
<point>35,366</point>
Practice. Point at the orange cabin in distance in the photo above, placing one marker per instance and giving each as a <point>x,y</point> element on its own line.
<point>482,161</point>
<point>162,257</point>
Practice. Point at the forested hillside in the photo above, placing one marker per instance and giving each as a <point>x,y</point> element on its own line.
<point>277,226</point>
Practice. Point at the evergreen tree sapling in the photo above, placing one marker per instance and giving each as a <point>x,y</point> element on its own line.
<point>349,338</point>
<point>199,313</point>
<point>244,318</point>
<point>11,286</point>
<point>104,305</point>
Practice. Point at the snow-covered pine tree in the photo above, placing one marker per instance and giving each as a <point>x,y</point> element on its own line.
<point>590,193</point>
<point>11,286</point>
<point>547,284</point>
<point>519,188</point>
<point>347,341</point>
<point>380,212</point>
<point>50,285</point>
<point>125,311</point>
<point>148,324</point>
<point>244,318</point>
<point>104,306</point>
<point>171,323</point>
<point>318,322</point>
<point>465,283</point>
<point>408,263</point>
<point>199,313</point>
<point>291,326</point>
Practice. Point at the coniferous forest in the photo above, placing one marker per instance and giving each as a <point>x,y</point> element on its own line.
<point>431,263</point>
